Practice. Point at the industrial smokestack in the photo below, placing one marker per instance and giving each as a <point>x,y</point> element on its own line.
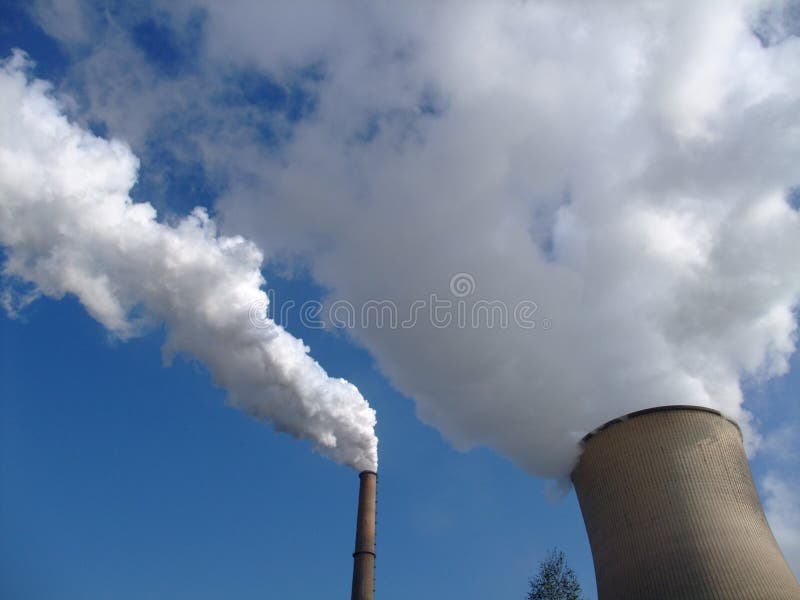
<point>672,512</point>
<point>364,555</point>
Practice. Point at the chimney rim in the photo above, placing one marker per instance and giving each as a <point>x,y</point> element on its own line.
<point>640,413</point>
<point>655,409</point>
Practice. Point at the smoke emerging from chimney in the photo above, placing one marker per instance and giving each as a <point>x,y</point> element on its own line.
<point>631,168</point>
<point>69,226</point>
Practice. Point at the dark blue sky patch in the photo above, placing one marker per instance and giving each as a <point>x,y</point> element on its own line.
<point>793,197</point>
<point>19,30</point>
<point>777,23</point>
<point>762,34</point>
<point>159,44</point>
<point>431,103</point>
<point>256,89</point>
<point>313,73</point>
<point>266,105</point>
<point>169,50</point>
<point>400,125</point>
<point>173,186</point>
<point>19,296</point>
<point>297,98</point>
<point>370,129</point>
<point>288,287</point>
<point>428,108</point>
<point>542,233</point>
<point>259,100</point>
<point>266,134</point>
<point>301,104</point>
<point>98,128</point>
<point>174,179</point>
<point>547,246</point>
<point>543,222</point>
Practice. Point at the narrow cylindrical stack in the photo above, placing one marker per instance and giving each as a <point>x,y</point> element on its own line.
<point>672,512</point>
<point>364,555</point>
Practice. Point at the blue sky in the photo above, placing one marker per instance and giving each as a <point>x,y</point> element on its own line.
<point>350,154</point>
<point>123,478</point>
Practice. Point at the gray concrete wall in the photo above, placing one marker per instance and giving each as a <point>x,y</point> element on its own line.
<point>672,512</point>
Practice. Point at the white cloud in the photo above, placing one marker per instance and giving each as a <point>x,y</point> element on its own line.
<point>69,226</point>
<point>623,165</point>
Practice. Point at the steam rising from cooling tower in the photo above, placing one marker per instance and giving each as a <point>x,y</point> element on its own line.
<point>672,512</point>
<point>69,226</point>
<point>629,167</point>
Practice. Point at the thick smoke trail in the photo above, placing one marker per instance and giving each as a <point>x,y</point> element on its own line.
<point>630,167</point>
<point>69,226</point>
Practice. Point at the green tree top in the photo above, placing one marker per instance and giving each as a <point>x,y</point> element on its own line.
<point>555,580</point>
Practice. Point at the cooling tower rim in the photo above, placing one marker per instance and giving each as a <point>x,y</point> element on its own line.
<point>655,409</point>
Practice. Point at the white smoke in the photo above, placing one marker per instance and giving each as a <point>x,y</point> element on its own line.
<point>69,226</point>
<point>626,166</point>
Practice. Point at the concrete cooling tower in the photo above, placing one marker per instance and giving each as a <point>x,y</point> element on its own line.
<point>672,512</point>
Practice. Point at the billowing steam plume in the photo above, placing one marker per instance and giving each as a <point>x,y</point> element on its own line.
<point>69,227</point>
<point>632,168</point>
<point>629,167</point>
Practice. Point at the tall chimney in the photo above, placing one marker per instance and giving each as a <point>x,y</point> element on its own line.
<point>364,555</point>
<point>672,512</point>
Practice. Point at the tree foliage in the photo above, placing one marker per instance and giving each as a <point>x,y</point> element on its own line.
<point>555,580</point>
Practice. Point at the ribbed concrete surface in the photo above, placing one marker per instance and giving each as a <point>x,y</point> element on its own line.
<point>672,512</point>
